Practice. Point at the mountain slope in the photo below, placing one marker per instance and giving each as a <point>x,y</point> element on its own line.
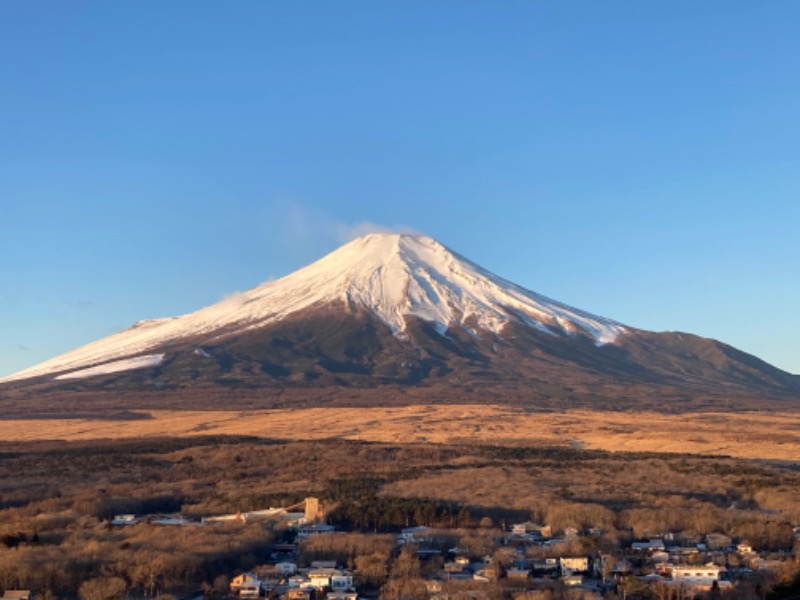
<point>403,311</point>
<point>392,276</point>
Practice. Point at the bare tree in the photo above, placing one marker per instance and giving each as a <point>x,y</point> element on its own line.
<point>102,588</point>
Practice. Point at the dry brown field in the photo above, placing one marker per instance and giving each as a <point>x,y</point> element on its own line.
<point>760,435</point>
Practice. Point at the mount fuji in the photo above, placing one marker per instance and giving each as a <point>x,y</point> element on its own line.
<point>389,315</point>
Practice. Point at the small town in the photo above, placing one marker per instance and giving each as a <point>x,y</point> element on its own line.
<point>523,560</point>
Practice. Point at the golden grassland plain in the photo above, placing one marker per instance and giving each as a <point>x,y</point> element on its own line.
<point>762,435</point>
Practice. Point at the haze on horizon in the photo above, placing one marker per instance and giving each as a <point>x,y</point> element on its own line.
<point>636,161</point>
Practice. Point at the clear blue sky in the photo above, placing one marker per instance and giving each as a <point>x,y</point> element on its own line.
<point>639,160</point>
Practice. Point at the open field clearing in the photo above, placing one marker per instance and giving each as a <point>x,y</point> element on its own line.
<point>745,435</point>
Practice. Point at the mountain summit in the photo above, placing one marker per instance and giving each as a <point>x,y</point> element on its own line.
<point>401,310</point>
<point>392,276</point>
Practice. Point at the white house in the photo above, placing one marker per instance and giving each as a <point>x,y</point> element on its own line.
<point>574,564</point>
<point>247,585</point>
<point>333,578</point>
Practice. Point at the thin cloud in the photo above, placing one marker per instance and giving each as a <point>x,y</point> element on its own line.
<point>301,234</point>
<point>308,228</point>
<point>347,233</point>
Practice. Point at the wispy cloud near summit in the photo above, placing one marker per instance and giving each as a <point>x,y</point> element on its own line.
<point>347,233</point>
<point>309,232</point>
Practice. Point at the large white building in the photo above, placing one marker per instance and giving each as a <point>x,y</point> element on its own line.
<point>696,574</point>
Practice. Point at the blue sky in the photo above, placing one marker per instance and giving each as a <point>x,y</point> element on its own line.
<point>639,160</point>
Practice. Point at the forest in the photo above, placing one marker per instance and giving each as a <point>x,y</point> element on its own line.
<point>56,500</point>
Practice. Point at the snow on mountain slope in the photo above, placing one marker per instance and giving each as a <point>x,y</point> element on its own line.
<point>117,366</point>
<point>391,275</point>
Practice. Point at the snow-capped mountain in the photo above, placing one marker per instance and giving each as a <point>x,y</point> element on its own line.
<point>392,276</point>
<point>391,309</point>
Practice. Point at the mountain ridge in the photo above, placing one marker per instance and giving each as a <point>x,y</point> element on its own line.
<point>394,275</point>
<point>403,311</point>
